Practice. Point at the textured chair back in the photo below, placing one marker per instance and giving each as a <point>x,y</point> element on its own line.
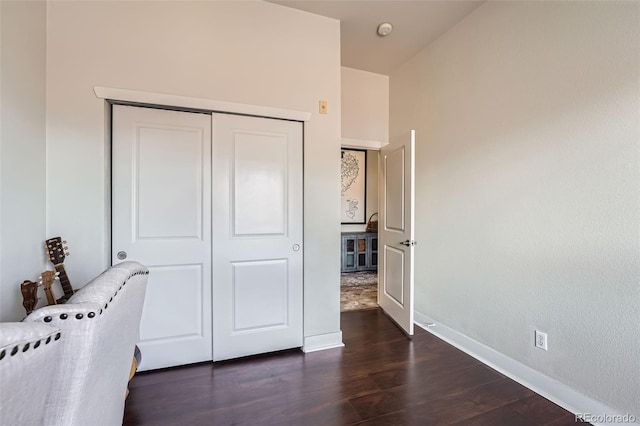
<point>100,325</point>
<point>27,354</point>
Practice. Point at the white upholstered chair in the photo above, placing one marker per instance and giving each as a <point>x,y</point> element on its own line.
<point>27,357</point>
<point>99,324</point>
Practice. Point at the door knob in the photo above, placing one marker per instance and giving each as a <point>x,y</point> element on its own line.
<point>122,255</point>
<point>296,247</point>
<point>408,243</point>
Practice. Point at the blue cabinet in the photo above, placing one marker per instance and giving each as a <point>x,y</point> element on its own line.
<point>359,251</point>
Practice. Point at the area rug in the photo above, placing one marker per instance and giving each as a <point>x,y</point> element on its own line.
<point>358,290</point>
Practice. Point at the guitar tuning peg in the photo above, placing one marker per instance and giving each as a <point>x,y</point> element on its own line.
<point>67,254</point>
<point>64,242</point>
<point>66,248</point>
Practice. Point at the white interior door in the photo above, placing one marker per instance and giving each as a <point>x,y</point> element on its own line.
<point>396,235</point>
<point>257,216</point>
<point>161,217</point>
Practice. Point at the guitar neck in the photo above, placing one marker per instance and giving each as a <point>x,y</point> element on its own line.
<point>64,280</point>
<point>51,300</point>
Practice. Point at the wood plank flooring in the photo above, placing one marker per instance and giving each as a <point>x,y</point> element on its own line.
<point>379,378</point>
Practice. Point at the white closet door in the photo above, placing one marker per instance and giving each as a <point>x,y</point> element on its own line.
<point>161,217</point>
<point>257,235</point>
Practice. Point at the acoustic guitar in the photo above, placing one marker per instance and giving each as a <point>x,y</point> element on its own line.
<point>57,252</point>
<point>46,279</point>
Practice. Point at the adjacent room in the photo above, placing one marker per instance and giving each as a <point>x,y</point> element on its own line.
<point>319,212</point>
<point>359,229</point>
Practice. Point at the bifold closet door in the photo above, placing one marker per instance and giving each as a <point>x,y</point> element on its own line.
<point>257,235</point>
<point>161,217</point>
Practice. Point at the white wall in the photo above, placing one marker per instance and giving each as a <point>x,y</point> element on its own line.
<point>365,105</point>
<point>248,52</point>
<point>22,151</point>
<point>528,200</point>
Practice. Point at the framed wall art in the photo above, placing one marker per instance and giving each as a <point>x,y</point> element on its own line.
<point>354,186</point>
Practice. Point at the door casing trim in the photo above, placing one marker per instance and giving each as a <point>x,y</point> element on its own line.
<point>151,98</point>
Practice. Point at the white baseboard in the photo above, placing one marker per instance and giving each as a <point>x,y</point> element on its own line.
<point>555,391</point>
<point>321,342</point>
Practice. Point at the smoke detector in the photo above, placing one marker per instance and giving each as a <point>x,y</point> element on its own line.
<point>384,29</point>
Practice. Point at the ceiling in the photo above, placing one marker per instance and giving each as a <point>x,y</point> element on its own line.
<point>416,23</point>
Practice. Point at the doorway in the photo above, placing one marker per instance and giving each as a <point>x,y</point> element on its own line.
<point>359,241</point>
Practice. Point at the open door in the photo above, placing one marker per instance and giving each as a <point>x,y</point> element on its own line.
<point>396,230</point>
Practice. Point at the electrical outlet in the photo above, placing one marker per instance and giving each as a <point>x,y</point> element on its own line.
<point>541,340</point>
<point>322,107</point>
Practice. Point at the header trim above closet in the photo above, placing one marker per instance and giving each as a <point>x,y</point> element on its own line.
<point>152,98</point>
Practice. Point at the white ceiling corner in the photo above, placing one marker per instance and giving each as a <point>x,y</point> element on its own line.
<point>416,23</point>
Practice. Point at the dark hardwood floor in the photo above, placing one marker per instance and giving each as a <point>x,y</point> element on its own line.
<point>379,378</point>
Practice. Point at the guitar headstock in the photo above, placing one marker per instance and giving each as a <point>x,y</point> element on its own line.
<point>47,278</point>
<point>57,250</point>
<point>29,291</point>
